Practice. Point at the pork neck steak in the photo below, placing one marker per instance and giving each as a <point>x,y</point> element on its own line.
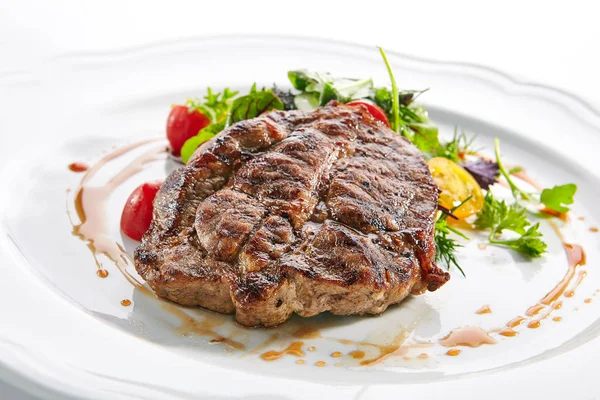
<point>295,212</point>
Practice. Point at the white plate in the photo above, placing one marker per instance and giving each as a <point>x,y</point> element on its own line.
<point>64,332</point>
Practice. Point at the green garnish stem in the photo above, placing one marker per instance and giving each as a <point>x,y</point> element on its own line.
<point>395,98</point>
<point>513,187</point>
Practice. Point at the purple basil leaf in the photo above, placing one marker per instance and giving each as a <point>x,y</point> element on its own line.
<point>484,172</point>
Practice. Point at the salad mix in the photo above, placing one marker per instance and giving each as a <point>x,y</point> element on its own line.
<point>463,175</point>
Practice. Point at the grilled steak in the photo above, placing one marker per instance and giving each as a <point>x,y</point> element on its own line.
<point>299,212</point>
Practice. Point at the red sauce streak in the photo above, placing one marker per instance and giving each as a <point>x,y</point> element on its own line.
<point>78,167</point>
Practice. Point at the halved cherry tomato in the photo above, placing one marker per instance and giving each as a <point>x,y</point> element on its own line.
<point>456,185</point>
<point>137,213</point>
<point>373,108</point>
<point>182,125</point>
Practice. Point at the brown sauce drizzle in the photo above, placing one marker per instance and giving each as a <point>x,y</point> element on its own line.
<point>553,213</point>
<point>102,273</point>
<point>90,205</point>
<point>78,167</point>
<point>513,323</point>
<point>387,350</point>
<point>580,277</point>
<point>294,349</point>
<point>509,332</point>
<point>588,301</point>
<point>423,356</point>
<point>357,354</point>
<point>312,348</point>
<point>336,354</point>
<point>300,362</point>
<point>126,302</point>
<point>534,310</point>
<point>204,327</point>
<point>581,218</point>
<point>557,319</point>
<point>453,352</point>
<point>576,257</point>
<point>471,336</point>
<point>484,310</point>
<point>593,229</point>
<point>321,364</point>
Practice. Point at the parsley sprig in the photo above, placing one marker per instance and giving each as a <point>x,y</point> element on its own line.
<point>497,216</point>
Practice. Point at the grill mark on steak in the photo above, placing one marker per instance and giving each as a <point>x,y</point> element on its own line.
<point>295,212</point>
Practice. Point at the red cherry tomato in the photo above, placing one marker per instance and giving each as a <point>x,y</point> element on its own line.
<point>137,213</point>
<point>182,125</point>
<point>373,108</point>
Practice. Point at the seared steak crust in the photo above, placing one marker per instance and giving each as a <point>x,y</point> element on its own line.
<point>299,212</point>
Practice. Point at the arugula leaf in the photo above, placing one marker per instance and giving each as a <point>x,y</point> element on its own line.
<point>252,105</point>
<point>425,136</point>
<point>558,197</point>
<point>190,145</point>
<point>300,78</point>
<point>497,216</point>
<point>324,87</point>
<point>215,105</point>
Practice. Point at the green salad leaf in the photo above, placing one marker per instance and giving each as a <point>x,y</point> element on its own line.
<point>215,105</point>
<point>190,145</point>
<point>253,104</point>
<point>319,88</point>
<point>559,197</point>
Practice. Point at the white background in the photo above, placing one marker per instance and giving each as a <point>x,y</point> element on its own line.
<point>556,43</point>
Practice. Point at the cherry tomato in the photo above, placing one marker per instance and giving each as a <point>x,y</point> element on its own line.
<point>182,125</point>
<point>137,213</point>
<point>373,108</point>
<point>456,185</point>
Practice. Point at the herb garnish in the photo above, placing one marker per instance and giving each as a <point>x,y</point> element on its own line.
<point>498,216</point>
<point>445,246</point>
